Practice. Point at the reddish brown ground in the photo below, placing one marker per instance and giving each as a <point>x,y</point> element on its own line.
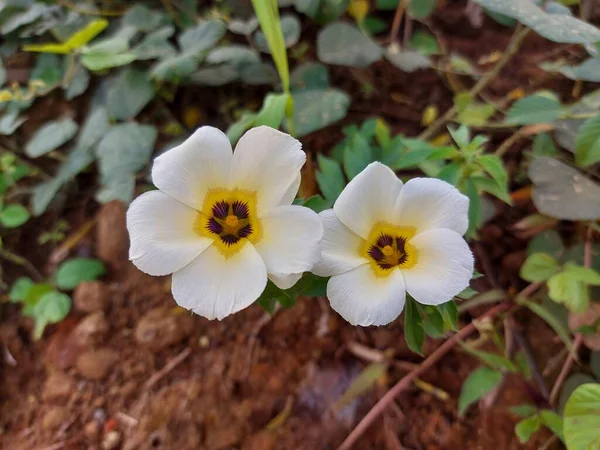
<point>91,382</point>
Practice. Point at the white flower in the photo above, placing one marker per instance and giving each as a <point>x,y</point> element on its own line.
<point>222,221</point>
<point>383,239</point>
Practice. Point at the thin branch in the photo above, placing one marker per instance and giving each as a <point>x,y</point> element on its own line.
<point>167,368</point>
<point>511,50</point>
<point>397,20</point>
<point>408,379</point>
<point>21,261</point>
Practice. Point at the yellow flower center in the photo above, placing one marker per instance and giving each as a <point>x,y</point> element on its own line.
<point>388,247</point>
<point>229,218</point>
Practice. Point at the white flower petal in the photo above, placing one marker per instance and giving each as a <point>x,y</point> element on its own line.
<point>268,162</point>
<point>429,203</point>
<point>161,233</point>
<point>339,247</point>
<point>214,286</point>
<point>285,281</point>
<point>290,241</point>
<point>368,198</point>
<point>443,268</point>
<point>292,191</point>
<point>189,170</point>
<point>364,299</point>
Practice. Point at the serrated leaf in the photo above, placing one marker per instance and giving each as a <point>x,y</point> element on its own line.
<point>581,418</point>
<point>51,136</point>
<point>316,109</point>
<point>492,164</point>
<point>587,143</point>
<point>343,44</point>
<point>364,382</point>
<point>330,178</point>
<point>414,333</point>
<point>555,27</point>
<point>129,94</point>
<point>478,383</point>
<point>534,109</point>
<point>77,270</point>
<point>539,267</point>
<point>562,192</point>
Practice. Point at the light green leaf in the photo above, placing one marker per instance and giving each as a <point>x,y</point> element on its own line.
<point>478,383</point>
<point>552,421</point>
<point>559,326</point>
<point>86,34</point>
<point>450,173</point>
<point>414,333</point>
<point>273,110</point>
<point>582,418</point>
<point>129,94</point>
<point>461,135</point>
<point>97,61</point>
<point>497,362</point>
<point>330,178</point>
<point>539,267</point>
<point>202,37</point>
<point>492,187</point>
<point>421,9</point>
<point>449,313</point>
<point>175,68</point>
<point>51,136</point>
<point>492,164</point>
<point>588,70</point>
<point>587,143</point>
<point>316,109</point>
<point>555,27</point>
<point>77,270</point>
<point>363,383</point>
<point>234,54</point>
<point>51,308</point>
<point>534,109</point>
<point>13,216</point>
<point>357,156</point>
<point>527,427</point>
<point>343,44</point>
<point>20,289</point>
<point>562,192</point>
<point>156,45</point>
<point>566,289</point>
<point>586,275</point>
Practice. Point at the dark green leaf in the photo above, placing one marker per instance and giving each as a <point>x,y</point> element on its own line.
<point>534,109</point>
<point>478,383</point>
<point>51,136</point>
<point>357,156</point>
<point>129,94</point>
<point>527,427</point>
<point>587,143</point>
<point>344,44</point>
<point>330,178</point>
<point>414,333</point>
<point>202,37</point>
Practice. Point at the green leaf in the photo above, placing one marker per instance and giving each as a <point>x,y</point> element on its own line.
<point>587,143</point>
<point>534,109</point>
<point>330,178</point>
<point>492,187</point>
<point>175,68</point>
<point>586,275</point>
<point>51,308</point>
<point>79,82</point>
<point>129,94</point>
<point>433,321</point>
<point>424,43</point>
<point>588,70</point>
<point>421,9</point>
<point>86,34</point>
<point>407,60</point>
<point>474,206</point>
<point>539,267</point>
<point>237,129</point>
<point>202,37</point>
<point>478,383</point>
<point>258,73</point>
<point>233,54</point>
<point>461,135</point>
<point>13,216</point>
<point>51,136</point>
<point>316,109</point>
<point>449,313</point>
<point>267,13</point>
<point>48,70</point>
<point>496,362</point>
<point>309,75</point>
<point>414,333</point>
<point>357,156</point>
<point>290,26</point>
<point>100,61</point>
<point>74,271</point>
<point>566,289</point>
<point>543,145</point>
<point>524,410</point>
<point>582,418</point>
<point>527,427</point>
<point>552,421</point>
<point>273,110</point>
<point>155,45</point>
<point>450,173</point>
<point>562,192</point>
<point>559,326</point>
<point>20,289</point>
<point>215,76</point>
<point>554,27</point>
<point>548,241</point>
<point>121,153</point>
<point>364,382</point>
<point>142,18</point>
<point>595,363</point>
<point>492,164</point>
<point>344,44</point>
<point>316,203</point>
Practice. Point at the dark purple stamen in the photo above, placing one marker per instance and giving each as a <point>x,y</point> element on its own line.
<point>376,253</point>
<point>220,209</point>
<point>245,231</point>
<point>240,209</point>
<point>213,226</point>
<point>230,239</point>
<point>384,240</point>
